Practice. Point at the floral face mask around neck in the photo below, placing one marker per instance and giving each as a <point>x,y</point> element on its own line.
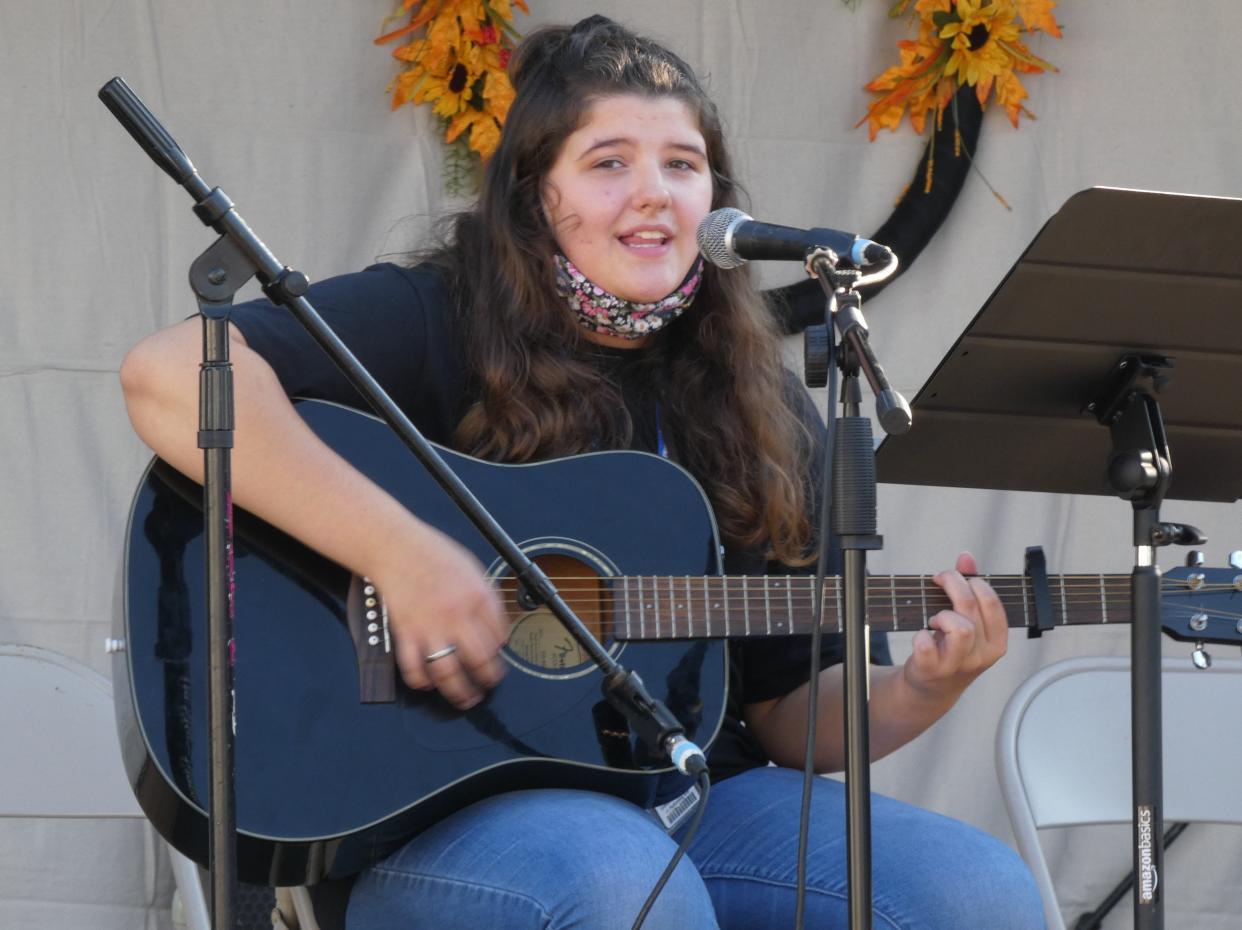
<point>610,315</point>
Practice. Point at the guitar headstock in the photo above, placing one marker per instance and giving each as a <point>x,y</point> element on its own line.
<point>1202,605</point>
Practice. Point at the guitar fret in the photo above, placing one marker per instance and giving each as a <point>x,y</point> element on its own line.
<point>689,609</point>
<point>767,606</point>
<point>892,599</point>
<point>746,602</point>
<point>672,602</point>
<point>1103,602</point>
<point>1064,605</point>
<point>707,605</point>
<point>724,599</point>
<point>789,603</point>
<point>625,586</point>
<point>655,604</point>
<point>923,594</point>
<point>1026,613</point>
<point>642,613</point>
<point>840,607</point>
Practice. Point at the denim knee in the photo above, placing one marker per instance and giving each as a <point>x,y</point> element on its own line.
<point>929,872</point>
<point>956,877</point>
<point>552,860</point>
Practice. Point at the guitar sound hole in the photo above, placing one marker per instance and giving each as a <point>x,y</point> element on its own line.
<point>538,642</point>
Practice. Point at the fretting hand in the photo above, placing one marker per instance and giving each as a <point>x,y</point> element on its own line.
<point>960,643</point>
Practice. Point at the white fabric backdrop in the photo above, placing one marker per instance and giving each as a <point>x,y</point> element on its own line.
<point>284,105</point>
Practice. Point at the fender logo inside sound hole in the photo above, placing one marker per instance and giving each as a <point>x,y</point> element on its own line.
<point>538,641</point>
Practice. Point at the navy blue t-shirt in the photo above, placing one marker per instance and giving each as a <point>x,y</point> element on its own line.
<point>402,325</point>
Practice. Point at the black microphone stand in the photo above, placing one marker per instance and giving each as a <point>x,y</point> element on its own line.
<point>849,496</point>
<point>215,276</point>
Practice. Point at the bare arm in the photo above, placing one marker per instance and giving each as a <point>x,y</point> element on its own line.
<point>961,644</point>
<point>435,591</point>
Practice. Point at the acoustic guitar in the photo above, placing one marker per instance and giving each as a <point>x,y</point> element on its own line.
<point>338,763</point>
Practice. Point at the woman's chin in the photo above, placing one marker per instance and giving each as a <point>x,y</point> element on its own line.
<point>648,291</point>
<point>645,297</point>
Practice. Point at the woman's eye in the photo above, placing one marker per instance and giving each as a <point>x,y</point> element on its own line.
<point>609,163</point>
<point>682,165</point>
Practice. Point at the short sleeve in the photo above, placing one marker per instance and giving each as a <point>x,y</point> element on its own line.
<point>399,322</point>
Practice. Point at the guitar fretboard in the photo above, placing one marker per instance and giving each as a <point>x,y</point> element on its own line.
<point>689,607</point>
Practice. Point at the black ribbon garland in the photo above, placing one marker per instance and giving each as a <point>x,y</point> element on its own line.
<point>914,220</point>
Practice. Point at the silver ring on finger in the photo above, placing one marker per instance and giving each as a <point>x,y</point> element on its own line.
<point>440,653</point>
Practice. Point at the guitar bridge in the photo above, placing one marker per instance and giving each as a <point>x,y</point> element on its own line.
<point>367,619</point>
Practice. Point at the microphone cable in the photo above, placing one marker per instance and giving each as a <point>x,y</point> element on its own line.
<point>704,783</point>
<point>817,614</point>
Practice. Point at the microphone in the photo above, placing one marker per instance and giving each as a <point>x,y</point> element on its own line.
<point>728,237</point>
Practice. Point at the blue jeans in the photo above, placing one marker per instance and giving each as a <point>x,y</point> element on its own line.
<point>554,860</point>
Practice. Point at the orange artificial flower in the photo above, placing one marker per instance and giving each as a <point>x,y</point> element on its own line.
<point>458,65</point>
<point>976,43</point>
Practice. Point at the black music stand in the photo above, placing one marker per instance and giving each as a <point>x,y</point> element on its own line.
<point>1113,342</point>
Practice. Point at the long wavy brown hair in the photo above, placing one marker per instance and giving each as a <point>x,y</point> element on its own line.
<point>725,397</point>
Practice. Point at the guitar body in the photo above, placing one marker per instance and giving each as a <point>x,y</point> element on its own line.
<point>329,779</point>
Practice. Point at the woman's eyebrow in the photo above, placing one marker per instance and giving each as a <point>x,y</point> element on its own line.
<point>605,143</point>
<point>623,140</point>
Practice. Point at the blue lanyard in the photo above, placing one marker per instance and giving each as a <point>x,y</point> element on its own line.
<point>660,446</point>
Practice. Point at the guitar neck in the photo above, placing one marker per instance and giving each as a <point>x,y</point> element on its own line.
<point>684,607</point>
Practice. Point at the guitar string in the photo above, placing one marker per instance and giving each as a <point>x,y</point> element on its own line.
<point>1012,591</point>
<point>1074,608</point>
<point>576,585</point>
<point>1089,591</point>
<point>674,621</point>
<point>880,621</point>
<point>1093,576</point>
<point>663,580</point>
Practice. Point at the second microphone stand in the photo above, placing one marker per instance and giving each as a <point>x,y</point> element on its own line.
<point>849,501</point>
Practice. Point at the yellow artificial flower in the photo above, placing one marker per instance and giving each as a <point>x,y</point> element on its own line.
<point>973,64</point>
<point>450,93</point>
<point>458,65</point>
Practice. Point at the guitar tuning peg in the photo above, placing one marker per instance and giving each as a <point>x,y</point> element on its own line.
<point>1235,558</point>
<point>1201,658</point>
<point>1195,558</point>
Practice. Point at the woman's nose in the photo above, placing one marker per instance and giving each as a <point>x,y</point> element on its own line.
<point>651,189</point>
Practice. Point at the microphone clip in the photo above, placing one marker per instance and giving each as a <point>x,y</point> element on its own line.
<point>822,260</point>
<point>844,311</point>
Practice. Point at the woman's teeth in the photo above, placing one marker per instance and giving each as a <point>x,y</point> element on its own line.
<point>644,240</point>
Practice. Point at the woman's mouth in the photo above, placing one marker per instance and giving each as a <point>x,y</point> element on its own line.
<point>645,240</point>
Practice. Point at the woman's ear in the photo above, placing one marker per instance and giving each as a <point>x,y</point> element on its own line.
<point>550,202</point>
<point>549,199</point>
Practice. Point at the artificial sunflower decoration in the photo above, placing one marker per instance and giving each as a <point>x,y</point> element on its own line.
<point>458,65</point>
<point>976,43</point>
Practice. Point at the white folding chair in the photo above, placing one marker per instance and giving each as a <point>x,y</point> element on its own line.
<point>62,756</point>
<point>1063,751</point>
<point>294,910</point>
